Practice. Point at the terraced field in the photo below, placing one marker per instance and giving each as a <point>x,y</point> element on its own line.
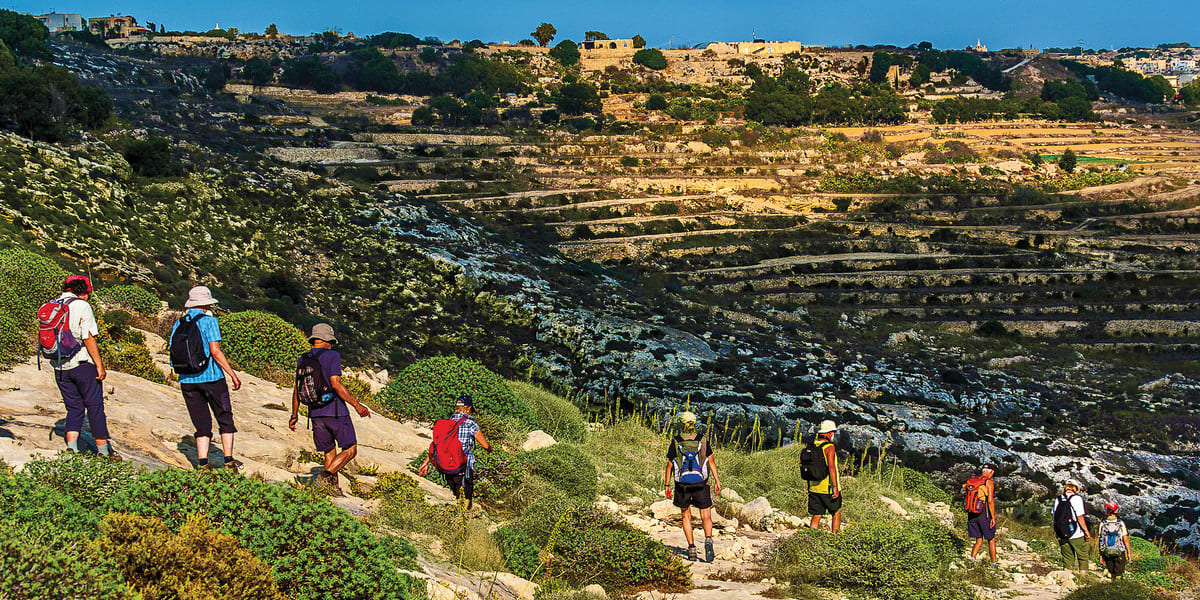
<point>850,236</point>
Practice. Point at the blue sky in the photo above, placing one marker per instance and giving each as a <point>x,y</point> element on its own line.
<point>946,23</point>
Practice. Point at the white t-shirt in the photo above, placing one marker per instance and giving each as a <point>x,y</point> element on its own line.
<point>82,322</point>
<point>1077,510</point>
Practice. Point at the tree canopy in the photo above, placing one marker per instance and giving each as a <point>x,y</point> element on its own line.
<point>565,52</point>
<point>543,34</point>
<point>651,58</point>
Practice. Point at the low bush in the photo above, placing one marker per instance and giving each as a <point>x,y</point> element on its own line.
<point>566,468</point>
<point>15,332</point>
<point>498,474</point>
<point>427,389</point>
<point>197,562</point>
<point>555,415</point>
<point>521,555</point>
<point>878,558</point>
<point>130,297</point>
<point>124,349</point>
<point>1113,590</point>
<point>36,564</point>
<point>316,549</point>
<point>591,545</point>
<point>918,483</point>
<point>32,279</point>
<point>262,344</point>
<point>88,479</point>
<point>23,500</point>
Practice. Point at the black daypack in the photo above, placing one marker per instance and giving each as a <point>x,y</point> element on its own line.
<point>813,466</point>
<point>1065,522</point>
<point>188,353</point>
<point>312,387</point>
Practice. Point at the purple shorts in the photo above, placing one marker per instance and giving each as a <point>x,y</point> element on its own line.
<point>83,393</point>
<point>330,430</point>
<point>980,526</point>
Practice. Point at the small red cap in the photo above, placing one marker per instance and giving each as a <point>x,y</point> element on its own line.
<point>85,280</point>
<point>1112,508</point>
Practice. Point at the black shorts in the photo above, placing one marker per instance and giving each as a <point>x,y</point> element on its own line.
<point>698,496</point>
<point>1115,564</point>
<point>823,504</point>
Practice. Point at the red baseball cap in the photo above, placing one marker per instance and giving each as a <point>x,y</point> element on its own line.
<point>85,280</point>
<point>1112,508</point>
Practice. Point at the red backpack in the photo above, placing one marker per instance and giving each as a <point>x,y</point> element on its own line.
<point>974,503</point>
<point>445,451</point>
<point>54,332</point>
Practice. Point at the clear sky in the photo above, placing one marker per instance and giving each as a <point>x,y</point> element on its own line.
<point>667,23</point>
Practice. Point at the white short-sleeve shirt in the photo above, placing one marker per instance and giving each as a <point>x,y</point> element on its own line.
<point>1077,510</point>
<point>82,322</point>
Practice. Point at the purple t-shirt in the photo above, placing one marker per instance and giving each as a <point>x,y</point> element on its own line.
<point>331,366</point>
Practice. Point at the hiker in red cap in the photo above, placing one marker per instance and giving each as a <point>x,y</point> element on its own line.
<point>1112,540</point>
<point>67,331</point>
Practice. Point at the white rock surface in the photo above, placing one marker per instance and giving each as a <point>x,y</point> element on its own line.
<point>755,511</point>
<point>537,440</point>
<point>595,590</point>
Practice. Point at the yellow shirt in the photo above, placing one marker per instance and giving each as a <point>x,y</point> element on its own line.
<point>824,486</point>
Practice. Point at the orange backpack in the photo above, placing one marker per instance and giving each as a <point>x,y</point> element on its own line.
<point>975,503</point>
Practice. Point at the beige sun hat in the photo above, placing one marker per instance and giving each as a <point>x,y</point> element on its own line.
<point>323,332</point>
<point>827,426</point>
<point>199,296</point>
<point>687,417</point>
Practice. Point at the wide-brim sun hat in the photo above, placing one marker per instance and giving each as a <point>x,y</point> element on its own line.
<point>323,332</point>
<point>687,417</point>
<point>827,426</point>
<point>199,296</point>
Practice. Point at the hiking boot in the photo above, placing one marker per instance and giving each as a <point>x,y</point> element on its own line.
<point>234,465</point>
<point>323,478</point>
<point>691,553</point>
<point>206,468</point>
<point>709,555</point>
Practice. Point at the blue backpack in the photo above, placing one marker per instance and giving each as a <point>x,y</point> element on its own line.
<point>691,462</point>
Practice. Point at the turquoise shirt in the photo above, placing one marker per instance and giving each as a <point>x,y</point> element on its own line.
<point>210,332</point>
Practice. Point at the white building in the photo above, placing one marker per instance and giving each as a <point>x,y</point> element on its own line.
<point>56,22</point>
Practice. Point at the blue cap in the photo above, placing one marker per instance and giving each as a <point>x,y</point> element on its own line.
<point>463,400</point>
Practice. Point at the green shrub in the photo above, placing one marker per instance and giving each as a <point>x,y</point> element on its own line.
<point>1114,590</point>
<point>555,415</point>
<point>41,564</point>
<point>262,344</point>
<point>427,389</point>
<point>592,545</point>
<point>891,561</point>
<point>316,549</point>
<point>565,467</point>
<point>124,349</point>
<point>918,483</point>
<point>521,555</point>
<point>24,500</point>
<point>498,474</point>
<point>15,332</point>
<point>359,388</point>
<point>87,478</point>
<point>197,562</point>
<point>130,297</point>
<point>33,277</point>
<point>1143,548</point>
<point>651,58</point>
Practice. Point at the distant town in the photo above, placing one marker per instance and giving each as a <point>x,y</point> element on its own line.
<point>1175,62</point>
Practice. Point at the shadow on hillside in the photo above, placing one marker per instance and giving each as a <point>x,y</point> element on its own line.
<point>187,447</point>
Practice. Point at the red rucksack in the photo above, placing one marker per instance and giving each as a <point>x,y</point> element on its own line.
<point>445,451</point>
<point>974,503</point>
<point>55,340</point>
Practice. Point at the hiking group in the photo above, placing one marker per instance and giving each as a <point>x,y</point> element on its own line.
<point>67,339</point>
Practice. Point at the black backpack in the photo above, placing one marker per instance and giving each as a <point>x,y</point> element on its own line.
<point>312,387</point>
<point>1065,522</point>
<point>813,466</point>
<point>188,353</point>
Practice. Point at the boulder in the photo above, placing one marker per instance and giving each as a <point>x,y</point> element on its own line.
<point>893,506</point>
<point>1019,544</point>
<point>521,588</point>
<point>596,590</point>
<point>730,495</point>
<point>537,440</point>
<point>755,511</point>
<point>444,590</point>
<point>663,509</point>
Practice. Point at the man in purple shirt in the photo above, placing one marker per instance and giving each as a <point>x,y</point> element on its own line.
<point>331,424</point>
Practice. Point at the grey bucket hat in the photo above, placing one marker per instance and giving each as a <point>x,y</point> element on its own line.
<point>323,332</point>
